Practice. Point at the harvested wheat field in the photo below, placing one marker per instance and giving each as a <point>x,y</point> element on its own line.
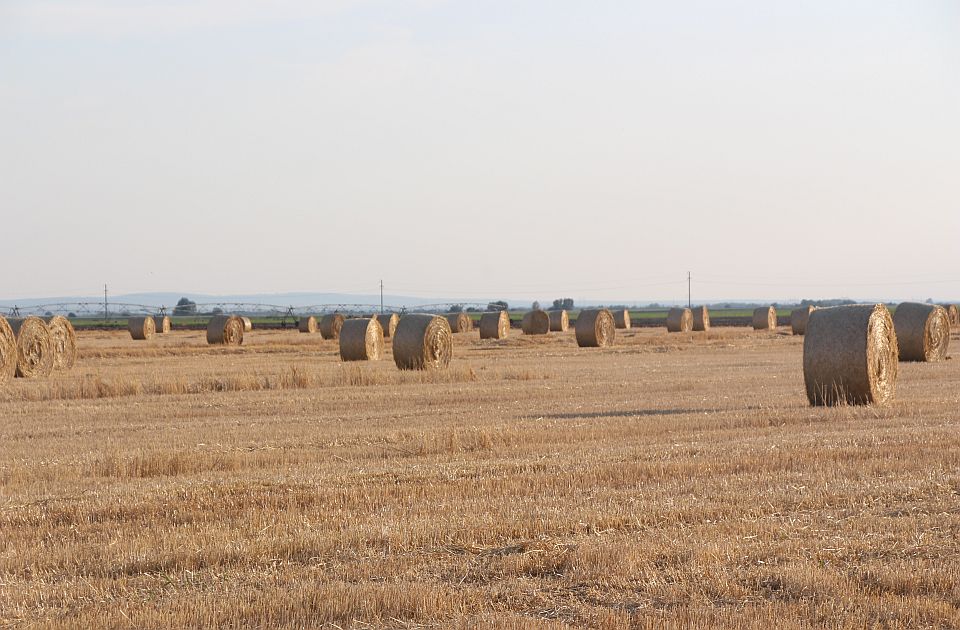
<point>675,480</point>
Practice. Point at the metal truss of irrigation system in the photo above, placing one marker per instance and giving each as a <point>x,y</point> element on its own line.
<point>99,310</point>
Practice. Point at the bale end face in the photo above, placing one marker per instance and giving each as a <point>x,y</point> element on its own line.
<point>64,340</point>
<point>8,351</point>
<point>460,322</point>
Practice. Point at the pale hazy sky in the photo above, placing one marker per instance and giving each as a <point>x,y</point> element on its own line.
<point>492,149</point>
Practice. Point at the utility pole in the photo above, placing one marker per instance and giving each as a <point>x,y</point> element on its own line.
<point>104,304</point>
<point>689,303</point>
<point>381,297</point>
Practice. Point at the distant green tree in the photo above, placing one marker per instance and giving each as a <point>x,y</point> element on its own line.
<point>499,305</point>
<point>185,307</point>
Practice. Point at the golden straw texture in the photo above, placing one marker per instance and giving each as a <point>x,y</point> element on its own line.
<point>622,319</point>
<point>559,320</point>
<point>494,325</point>
<point>535,323</point>
<point>460,322</point>
<point>595,328</point>
<point>701,319</point>
<point>953,313</point>
<point>850,355</point>
<point>8,351</point>
<point>388,322</point>
<point>799,318</point>
<point>225,330</point>
<point>765,318</point>
<point>923,331</point>
<point>680,320</point>
<point>361,340</point>
<point>34,347</point>
<point>64,340</point>
<point>422,342</point>
<point>142,327</point>
<point>247,324</point>
<point>330,326</point>
<point>307,324</point>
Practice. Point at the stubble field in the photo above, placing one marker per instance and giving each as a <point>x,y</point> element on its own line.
<point>672,480</point>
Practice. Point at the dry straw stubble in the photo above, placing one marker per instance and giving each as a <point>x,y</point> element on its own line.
<point>8,351</point>
<point>330,325</point>
<point>34,347</point>
<point>388,322</point>
<point>460,322</point>
<point>923,331</point>
<point>622,319</point>
<point>361,340</point>
<point>701,319</point>
<point>494,325</point>
<point>850,355</point>
<point>64,339</point>
<point>422,342</point>
<point>680,320</point>
<point>595,328</point>
<point>765,318</point>
<point>535,322</point>
<point>559,320</point>
<point>142,328</point>
<point>306,324</point>
<point>225,330</point>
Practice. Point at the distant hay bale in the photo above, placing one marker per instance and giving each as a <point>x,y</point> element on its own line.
<point>701,319</point>
<point>559,320</point>
<point>923,331</point>
<point>8,351</point>
<point>680,320</point>
<point>225,330</point>
<point>361,340</point>
<point>595,328</point>
<point>850,355</point>
<point>799,318</point>
<point>422,342</point>
<point>765,318</point>
<point>161,324</point>
<point>64,340</point>
<point>306,324</point>
<point>388,323</point>
<point>535,322</point>
<point>330,325</point>
<point>953,313</point>
<point>622,319</point>
<point>142,327</point>
<point>460,322</point>
<point>495,325</point>
<point>34,347</point>
<point>247,324</point>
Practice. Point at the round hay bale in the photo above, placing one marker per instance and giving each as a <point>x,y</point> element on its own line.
<point>388,323</point>
<point>680,320</point>
<point>330,325</point>
<point>559,320</point>
<point>64,339</point>
<point>225,330</point>
<point>850,355</point>
<point>307,324</point>
<point>161,324</point>
<point>765,318</point>
<point>923,331</point>
<point>799,318</point>
<point>34,347</point>
<point>953,313</point>
<point>142,327</point>
<point>535,323</point>
<point>8,351</point>
<point>622,319</point>
<point>495,325</point>
<point>247,324</point>
<point>361,340</point>
<point>595,328</point>
<point>701,319</point>
<point>422,342</point>
<point>460,322</point>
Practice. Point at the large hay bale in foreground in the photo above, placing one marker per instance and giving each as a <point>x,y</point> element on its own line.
<point>953,313</point>
<point>622,319</point>
<point>247,324</point>
<point>850,355</point>
<point>422,342</point>
<point>307,324</point>
<point>8,351</point>
<point>765,318</point>
<point>495,325</point>
<point>701,319</point>
<point>162,324</point>
<point>559,320</point>
<point>680,320</point>
<point>595,328</point>
<point>361,340</point>
<point>64,340</point>
<point>388,323</point>
<point>799,318</point>
<point>34,347</point>
<point>226,330</point>
<point>330,325</point>
<point>460,322</point>
<point>142,327</point>
<point>535,322</point>
<point>923,331</point>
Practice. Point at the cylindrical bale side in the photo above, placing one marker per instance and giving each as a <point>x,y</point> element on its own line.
<point>679,320</point>
<point>460,322</point>
<point>595,328</point>
<point>225,330</point>
<point>850,355</point>
<point>388,322</point>
<point>330,325</point>
<point>799,318</point>
<point>559,320</point>
<point>923,331</point>
<point>422,342</point>
<point>622,319</point>
<point>247,324</point>
<point>494,325</point>
<point>535,322</point>
<point>142,327</point>
<point>765,318</point>
<point>34,347</point>
<point>161,324</point>
<point>361,340</point>
<point>307,324</point>
<point>64,340</point>
<point>8,351</point>
<point>701,319</point>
